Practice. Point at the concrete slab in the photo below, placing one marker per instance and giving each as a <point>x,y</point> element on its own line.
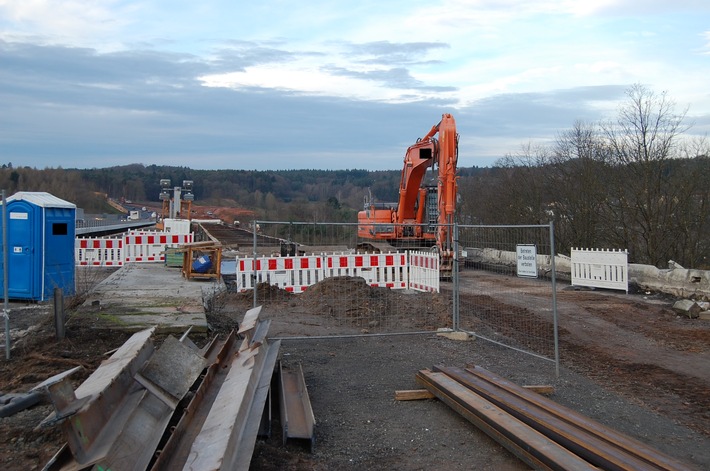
<point>142,295</point>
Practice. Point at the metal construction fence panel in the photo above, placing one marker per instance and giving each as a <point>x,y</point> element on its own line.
<point>600,268</point>
<point>502,289</point>
<point>505,287</point>
<point>346,286</point>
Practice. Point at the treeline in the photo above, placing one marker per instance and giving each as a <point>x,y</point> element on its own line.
<point>288,195</point>
<point>291,195</point>
<point>636,183</point>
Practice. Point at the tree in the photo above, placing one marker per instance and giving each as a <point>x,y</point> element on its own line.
<point>692,246</point>
<point>646,202</point>
<point>522,194</point>
<point>577,180</point>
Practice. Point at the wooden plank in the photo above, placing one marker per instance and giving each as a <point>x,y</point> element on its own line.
<point>413,395</point>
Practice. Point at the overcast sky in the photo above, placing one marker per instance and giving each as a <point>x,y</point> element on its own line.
<point>328,84</point>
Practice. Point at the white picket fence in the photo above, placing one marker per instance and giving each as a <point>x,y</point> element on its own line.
<point>133,246</point>
<point>413,270</point>
<point>597,268</point>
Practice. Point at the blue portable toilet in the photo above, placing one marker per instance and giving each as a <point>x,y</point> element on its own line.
<point>40,240</point>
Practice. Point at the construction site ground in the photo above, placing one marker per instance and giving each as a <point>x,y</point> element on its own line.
<point>628,361</point>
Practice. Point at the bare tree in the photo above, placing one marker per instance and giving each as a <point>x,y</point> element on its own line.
<point>520,194</point>
<point>577,182</point>
<point>643,143</point>
<point>693,215</point>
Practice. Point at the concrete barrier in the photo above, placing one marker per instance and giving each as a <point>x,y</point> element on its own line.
<point>676,281</point>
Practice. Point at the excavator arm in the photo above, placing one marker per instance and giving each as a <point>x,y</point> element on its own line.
<point>423,214</point>
<point>447,181</point>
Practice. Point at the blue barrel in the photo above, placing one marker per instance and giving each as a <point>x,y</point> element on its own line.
<point>202,264</point>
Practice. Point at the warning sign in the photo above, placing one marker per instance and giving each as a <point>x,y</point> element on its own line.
<point>527,260</point>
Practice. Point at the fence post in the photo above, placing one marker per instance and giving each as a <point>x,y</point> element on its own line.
<point>554,298</point>
<point>253,273</point>
<point>456,267</point>
<point>5,278</point>
<point>59,313</point>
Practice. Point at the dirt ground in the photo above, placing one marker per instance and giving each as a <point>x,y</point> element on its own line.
<point>628,361</point>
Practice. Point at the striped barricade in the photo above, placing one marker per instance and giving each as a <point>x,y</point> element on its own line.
<point>292,274</point>
<point>142,246</point>
<point>379,270</point>
<point>135,246</point>
<point>424,271</point>
<point>99,252</point>
<point>296,274</point>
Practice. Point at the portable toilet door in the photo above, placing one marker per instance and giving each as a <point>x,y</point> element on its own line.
<point>40,237</point>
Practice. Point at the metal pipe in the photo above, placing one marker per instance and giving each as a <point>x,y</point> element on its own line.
<point>6,307</point>
<point>255,223</point>
<point>457,284</point>
<point>553,273</point>
<point>352,336</point>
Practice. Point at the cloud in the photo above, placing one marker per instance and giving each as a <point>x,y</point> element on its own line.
<point>386,52</point>
<point>327,84</point>
<point>77,107</point>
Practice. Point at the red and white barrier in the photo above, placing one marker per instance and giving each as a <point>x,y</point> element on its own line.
<point>293,274</point>
<point>144,246</point>
<point>383,270</point>
<point>296,274</point>
<point>134,246</point>
<point>424,271</point>
<point>102,252</point>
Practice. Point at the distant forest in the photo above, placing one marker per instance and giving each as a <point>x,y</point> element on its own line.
<point>288,195</point>
<point>636,183</point>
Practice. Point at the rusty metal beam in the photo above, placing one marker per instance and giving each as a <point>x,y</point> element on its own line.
<point>297,419</point>
<point>532,447</point>
<point>92,421</point>
<point>224,443</point>
<point>118,418</point>
<point>596,444</point>
<point>218,428</point>
<point>590,430</point>
<point>587,446</point>
<point>175,451</point>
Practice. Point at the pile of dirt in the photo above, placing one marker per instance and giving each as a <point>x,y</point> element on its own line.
<point>351,297</point>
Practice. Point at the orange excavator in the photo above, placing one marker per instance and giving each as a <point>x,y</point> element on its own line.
<point>424,214</point>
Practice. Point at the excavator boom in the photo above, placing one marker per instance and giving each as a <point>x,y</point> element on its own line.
<point>424,213</point>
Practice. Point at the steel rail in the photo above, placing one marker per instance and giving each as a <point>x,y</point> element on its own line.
<point>588,446</point>
<point>596,444</point>
<point>642,451</point>
<point>532,447</point>
<point>173,454</point>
